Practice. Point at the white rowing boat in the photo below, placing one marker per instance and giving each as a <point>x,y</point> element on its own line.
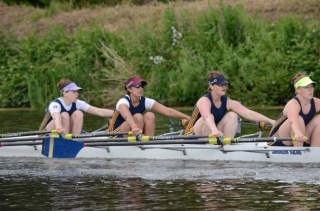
<point>235,152</point>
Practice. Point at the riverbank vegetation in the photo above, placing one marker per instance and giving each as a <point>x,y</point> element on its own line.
<point>259,45</point>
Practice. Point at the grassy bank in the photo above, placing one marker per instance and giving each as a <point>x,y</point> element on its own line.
<point>258,44</point>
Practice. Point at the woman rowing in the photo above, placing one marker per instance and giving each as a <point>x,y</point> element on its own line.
<point>64,114</point>
<point>130,110</point>
<point>216,114</point>
<point>298,117</point>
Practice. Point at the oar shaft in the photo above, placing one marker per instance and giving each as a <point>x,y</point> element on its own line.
<point>146,143</point>
<point>9,135</point>
<point>214,141</point>
<point>27,138</point>
<point>26,143</point>
<point>144,139</point>
<point>98,134</point>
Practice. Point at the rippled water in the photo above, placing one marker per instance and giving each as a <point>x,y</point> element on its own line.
<point>91,184</point>
<point>124,184</point>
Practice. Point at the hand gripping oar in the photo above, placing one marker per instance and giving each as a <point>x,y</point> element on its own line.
<point>9,135</point>
<point>62,148</point>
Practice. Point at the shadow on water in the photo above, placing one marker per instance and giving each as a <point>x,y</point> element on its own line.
<point>125,184</point>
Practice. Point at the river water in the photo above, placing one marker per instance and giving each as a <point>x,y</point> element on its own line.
<point>124,184</point>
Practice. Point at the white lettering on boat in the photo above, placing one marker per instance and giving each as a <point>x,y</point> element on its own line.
<point>287,152</point>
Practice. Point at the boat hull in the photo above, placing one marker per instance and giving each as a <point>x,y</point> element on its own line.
<point>235,152</point>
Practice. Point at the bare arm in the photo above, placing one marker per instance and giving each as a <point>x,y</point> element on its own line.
<point>100,111</point>
<point>170,112</point>
<point>126,114</point>
<point>291,110</point>
<point>247,113</point>
<point>204,106</point>
<point>57,122</point>
<point>317,103</point>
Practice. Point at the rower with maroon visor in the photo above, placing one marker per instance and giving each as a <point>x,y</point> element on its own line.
<point>132,111</point>
<point>216,114</point>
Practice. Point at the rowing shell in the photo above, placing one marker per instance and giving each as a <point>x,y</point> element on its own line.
<point>234,152</point>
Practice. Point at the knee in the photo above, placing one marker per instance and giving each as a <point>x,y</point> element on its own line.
<point>77,114</point>
<point>65,116</point>
<point>138,117</point>
<point>232,116</point>
<point>149,117</point>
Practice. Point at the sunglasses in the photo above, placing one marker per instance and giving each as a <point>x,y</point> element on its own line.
<point>138,86</point>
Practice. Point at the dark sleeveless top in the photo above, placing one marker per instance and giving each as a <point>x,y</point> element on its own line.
<point>306,117</point>
<point>218,113</point>
<point>48,117</point>
<point>139,109</point>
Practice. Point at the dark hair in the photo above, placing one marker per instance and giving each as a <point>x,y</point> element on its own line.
<point>212,75</point>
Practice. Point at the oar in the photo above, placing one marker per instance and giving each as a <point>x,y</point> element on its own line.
<point>182,139</point>
<point>67,136</point>
<point>62,148</point>
<point>26,143</point>
<point>262,125</point>
<point>25,138</point>
<point>103,127</point>
<point>97,134</point>
<point>8,135</point>
<point>138,138</point>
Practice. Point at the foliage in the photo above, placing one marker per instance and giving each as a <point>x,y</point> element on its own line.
<point>80,3</point>
<point>258,57</point>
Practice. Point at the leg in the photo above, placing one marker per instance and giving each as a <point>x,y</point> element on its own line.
<point>313,131</point>
<point>228,124</point>
<point>286,131</point>
<point>76,122</point>
<point>149,121</point>
<point>65,122</point>
<point>201,128</point>
<point>138,118</point>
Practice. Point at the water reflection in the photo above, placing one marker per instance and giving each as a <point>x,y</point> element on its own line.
<point>109,193</point>
<point>124,184</point>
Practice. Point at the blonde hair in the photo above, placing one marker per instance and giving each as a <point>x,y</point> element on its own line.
<point>63,83</point>
<point>297,77</point>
